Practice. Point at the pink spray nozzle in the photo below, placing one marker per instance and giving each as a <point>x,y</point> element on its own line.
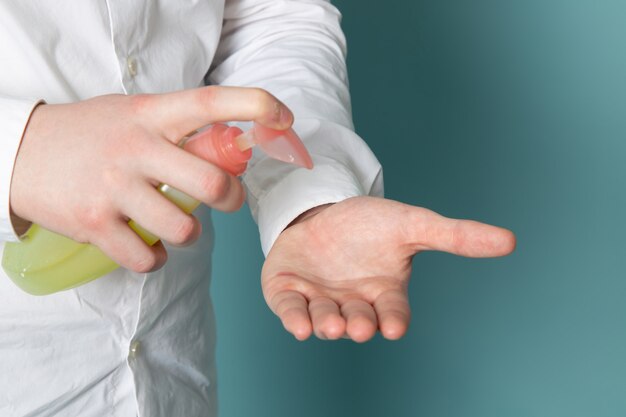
<point>229,148</point>
<point>217,144</point>
<point>284,145</point>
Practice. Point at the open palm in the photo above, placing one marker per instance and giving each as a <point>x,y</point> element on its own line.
<point>344,272</point>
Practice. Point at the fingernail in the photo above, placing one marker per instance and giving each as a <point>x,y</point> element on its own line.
<point>285,118</point>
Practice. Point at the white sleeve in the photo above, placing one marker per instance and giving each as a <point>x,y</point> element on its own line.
<point>14,115</point>
<point>296,50</point>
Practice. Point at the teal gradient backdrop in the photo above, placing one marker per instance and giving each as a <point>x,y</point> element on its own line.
<point>508,112</point>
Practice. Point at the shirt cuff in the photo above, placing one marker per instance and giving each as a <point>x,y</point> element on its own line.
<point>290,198</point>
<point>14,116</point>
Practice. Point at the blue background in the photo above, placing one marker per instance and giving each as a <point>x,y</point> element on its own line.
<point>508,112</point>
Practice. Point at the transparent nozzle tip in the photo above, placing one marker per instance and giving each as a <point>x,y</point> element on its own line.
<point>283,145</point>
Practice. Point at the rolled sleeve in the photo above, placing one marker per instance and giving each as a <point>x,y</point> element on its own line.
<point>344,167</point>
<point>296,50</point>
<point>14,116</point>
<point>289,198</point>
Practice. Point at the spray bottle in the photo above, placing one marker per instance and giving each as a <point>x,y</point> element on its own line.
<point>45,262</point>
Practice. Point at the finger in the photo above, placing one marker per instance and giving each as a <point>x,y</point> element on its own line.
<point>127,249</point>
<point>326,317</point>
<point>181,112</point>
<point>292,309</point>
<point>394,313</point>
<point>161,255</point>
<point>361,320</point>
<point>432,231</point>
<point>191,175</point>
<point>156,214</point>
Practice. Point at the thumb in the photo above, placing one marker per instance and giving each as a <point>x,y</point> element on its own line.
<point>432,231</point>
<point>178,113</point>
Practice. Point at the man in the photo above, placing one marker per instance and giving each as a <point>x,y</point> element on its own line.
<point>140,340</point>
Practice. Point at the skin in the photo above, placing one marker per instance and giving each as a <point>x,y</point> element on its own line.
<point>343,270</point>
<point>84,169</point>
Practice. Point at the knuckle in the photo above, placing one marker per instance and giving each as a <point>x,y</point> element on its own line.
<point>263,100</point>
<point>216,185</point>
<point>94,218</point>
<point>140,103</point>
<point>207,97</point>
<point>184,231</point>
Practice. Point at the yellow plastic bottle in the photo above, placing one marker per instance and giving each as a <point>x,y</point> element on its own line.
<point>45,262</point>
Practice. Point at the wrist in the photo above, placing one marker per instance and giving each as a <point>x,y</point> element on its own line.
<point>309,213</point>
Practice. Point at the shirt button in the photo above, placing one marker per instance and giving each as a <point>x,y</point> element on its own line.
<point>133,351</point>
<point>131,64</point>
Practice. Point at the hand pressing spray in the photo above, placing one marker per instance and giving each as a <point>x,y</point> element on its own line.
<point>45,262</point>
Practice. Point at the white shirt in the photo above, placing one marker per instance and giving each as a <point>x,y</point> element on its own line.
<point>142,344</point>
